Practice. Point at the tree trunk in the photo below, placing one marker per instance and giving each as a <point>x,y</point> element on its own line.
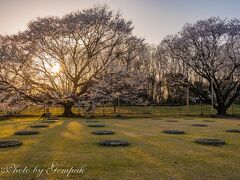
<point>221,106</point>
<point>221,111</point>
<point>68,109</point>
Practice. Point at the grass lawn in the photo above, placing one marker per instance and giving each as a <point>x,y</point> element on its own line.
<point>151,155</point>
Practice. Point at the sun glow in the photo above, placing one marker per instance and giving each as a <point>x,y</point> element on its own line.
<point>55,68</point>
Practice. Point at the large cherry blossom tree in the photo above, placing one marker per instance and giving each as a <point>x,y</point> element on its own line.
<point>60,58</point>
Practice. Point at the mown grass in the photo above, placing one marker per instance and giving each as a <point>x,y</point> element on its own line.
<point>181,111</point>
<point>152,154</point>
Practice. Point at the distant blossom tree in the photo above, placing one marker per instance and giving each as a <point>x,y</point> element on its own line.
<point>121,86</point>
<point>209,49</point>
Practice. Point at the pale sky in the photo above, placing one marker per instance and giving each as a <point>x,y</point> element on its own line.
<point>153,19</point>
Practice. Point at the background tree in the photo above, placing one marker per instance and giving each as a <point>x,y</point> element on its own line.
<point>209,49</point>
<point>120,86</point>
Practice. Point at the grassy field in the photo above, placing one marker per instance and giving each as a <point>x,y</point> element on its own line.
<point>151,155</point>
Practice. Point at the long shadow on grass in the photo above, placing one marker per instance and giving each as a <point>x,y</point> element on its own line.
<point>34,151</point>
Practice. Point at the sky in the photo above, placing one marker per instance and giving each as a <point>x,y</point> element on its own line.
<point>152,19</point>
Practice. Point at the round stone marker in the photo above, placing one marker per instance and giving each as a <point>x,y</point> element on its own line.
<point>208,120</point>
<point>210,141</point>
<point>26,132</point>
<point>5,143</point>
<point>39,126</point>
<point>96,125</point>
<point>92,121</point>
<point>233,130</point>
<point>171,121</point>
<point>173,132</point>
<point>113,143</point>
<point>103,132</point>
<point>50,121</point>
<point>200,125</point>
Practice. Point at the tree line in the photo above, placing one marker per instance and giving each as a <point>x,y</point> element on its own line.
<point>101,61</point>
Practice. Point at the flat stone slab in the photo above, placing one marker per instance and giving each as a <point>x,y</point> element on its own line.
<point>210,141</point>
<point>114,143</point>
<point>50,121</point>
<point>26,132</point>
<point>173,132</point>
<point>233,130</point>
<point>208,120</point>
<point>5,143</point>
<point>92,121</point>
<point>200,125</point>
<point>171,120</point>
<point>103,132</point>
<point>96,125</point>
<point>39,126</point>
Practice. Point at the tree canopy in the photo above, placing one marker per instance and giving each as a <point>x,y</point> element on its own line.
<point>93,55</point>
<point>82,44</point>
